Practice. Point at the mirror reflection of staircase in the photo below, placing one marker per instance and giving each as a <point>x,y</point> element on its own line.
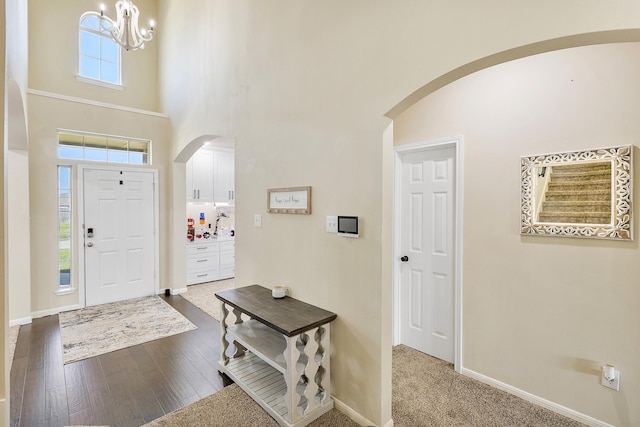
<point>578,194</point>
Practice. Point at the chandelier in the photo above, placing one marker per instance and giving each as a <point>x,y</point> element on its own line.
<point>124,30</point>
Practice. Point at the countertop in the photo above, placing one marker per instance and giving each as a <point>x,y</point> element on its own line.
<point>211,239</point>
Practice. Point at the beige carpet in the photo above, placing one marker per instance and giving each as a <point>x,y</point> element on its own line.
<point>428,392</point>
<point>203,296</point>
<point>104,328</point>
<point>232,407</point>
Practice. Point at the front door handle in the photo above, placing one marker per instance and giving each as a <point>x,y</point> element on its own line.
<point>404,258</point>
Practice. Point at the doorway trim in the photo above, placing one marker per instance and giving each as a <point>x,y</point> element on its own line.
<point>456,142</point>
<point>82,302</point>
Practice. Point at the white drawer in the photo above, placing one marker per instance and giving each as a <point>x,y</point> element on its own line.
<point>202,276</point>
<point>202,262</point>
<point>201,248</point>
<point>228,245</point>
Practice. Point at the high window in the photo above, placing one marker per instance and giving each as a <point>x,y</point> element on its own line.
<point>99,54</point>
<point>103,148</point>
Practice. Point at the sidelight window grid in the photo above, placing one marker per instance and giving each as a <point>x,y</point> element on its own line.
<point>64,227</point>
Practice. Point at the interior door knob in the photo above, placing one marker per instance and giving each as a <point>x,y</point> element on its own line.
<point>90,244</point>
<point>404,258</point>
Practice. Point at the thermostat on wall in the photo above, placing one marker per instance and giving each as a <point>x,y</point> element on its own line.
<point>348,226</point>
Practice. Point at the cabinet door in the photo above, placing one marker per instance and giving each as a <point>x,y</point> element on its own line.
<point>203,175</point>
<point>224,177</point>
<point>191,191</point>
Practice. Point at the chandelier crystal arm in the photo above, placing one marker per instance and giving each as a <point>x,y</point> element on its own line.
<point>125,29</point>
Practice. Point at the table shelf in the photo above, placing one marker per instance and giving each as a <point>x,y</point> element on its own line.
<point>261,340</point>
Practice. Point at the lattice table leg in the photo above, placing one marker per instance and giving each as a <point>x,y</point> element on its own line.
<point>323,376</point>
<point>223,333</point>
<point>226,319</point>
<point>308,375</point>
<point>291,378</point>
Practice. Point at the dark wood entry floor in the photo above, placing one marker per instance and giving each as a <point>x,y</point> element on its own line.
<point>128,387</point>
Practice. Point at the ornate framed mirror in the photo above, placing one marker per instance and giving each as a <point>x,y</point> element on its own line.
<point>578,194</point>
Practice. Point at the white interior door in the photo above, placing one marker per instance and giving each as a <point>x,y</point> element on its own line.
<point>119,241</point>
<point>427,279</point>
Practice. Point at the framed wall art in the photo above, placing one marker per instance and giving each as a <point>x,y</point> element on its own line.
<point>293,200</point>
<point>578,194</point>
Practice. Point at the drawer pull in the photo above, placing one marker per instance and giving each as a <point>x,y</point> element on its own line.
<point>202,260</point>
<point>202,247</point>
<point>202,275</point>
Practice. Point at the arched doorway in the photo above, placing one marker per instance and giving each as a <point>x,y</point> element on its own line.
<point>179,173</point>
<point>477,166</point>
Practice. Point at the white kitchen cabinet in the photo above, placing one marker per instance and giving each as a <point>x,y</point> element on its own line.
<point>200,175</point>
<point>223,176</point>
<point>203,262</point>
<point>227,259</point>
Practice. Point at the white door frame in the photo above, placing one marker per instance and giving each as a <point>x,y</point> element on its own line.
<point>82,302</point>
<point>456,142</point>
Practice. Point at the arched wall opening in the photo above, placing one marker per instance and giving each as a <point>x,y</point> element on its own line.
<point>576,92</point>
<point>605,37</point>
<point>179,211</point>
<point>18,208</point>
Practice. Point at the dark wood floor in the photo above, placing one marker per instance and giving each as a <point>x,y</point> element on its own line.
<point>128,387</point>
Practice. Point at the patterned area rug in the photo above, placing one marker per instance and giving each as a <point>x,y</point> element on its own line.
<point>203,296</point>
<point>105,328</point>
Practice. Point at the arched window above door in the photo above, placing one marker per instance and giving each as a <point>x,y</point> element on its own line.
<point>99,55</point>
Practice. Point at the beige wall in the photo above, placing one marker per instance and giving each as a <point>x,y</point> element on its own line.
<point>303,87</point>
<point>4,287</point>
<point>18,220</point>
<point>53,55</point>
<point>53,39</point>
<point>46,116</point>
<point>543,314</point>
<point>18,237</point>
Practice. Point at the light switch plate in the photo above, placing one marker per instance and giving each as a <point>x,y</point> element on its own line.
<point>257,220</point>
<point>332,224</point>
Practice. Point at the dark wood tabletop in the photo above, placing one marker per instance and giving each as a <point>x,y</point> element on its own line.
<point>287,315</point>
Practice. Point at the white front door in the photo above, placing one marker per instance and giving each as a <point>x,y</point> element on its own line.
<point>119,241</point>
<point>428,253</point>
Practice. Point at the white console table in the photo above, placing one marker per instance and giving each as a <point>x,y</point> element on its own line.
<point>282,353</point>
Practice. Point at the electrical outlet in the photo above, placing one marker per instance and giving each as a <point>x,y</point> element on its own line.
<point>332,224</point>
<point>614,384</point>
<point>257,220</point>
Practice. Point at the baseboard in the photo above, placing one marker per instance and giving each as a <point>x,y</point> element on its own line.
<point>53,311</point>
<point>389,423</point>
<point>352,414</point>
<point>178,291</point>
<point>537,400</point>
<point>21,321</point>
<point>4,411</point>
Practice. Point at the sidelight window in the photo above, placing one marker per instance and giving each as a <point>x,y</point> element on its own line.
<point>64,226</point>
